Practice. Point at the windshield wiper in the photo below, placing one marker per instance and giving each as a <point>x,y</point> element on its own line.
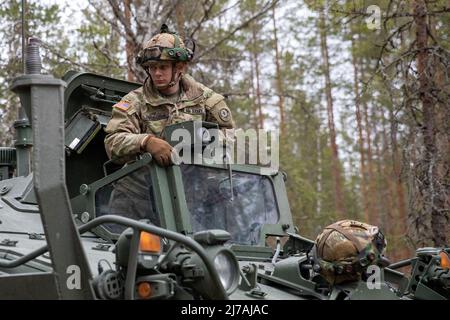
<point>230,173</point>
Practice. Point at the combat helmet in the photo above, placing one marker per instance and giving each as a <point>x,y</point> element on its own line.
<point>164,46</point>
<point>343,250</point>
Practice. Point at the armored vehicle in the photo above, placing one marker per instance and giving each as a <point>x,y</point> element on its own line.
<point>78,226</point>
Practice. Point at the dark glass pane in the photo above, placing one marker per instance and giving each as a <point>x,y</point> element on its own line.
<point>208,197</point>
<point>130,197</point>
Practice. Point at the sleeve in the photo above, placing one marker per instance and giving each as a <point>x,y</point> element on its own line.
<point>123,133</point>
<point>217,111</point>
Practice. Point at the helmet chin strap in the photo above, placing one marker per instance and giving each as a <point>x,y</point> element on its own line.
<point>175,77</point>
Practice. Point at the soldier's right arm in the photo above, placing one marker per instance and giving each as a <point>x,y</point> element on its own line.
<point>124,133</point>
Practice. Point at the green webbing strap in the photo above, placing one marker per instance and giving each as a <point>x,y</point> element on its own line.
<point>177,40</point>
<point>165,29</point>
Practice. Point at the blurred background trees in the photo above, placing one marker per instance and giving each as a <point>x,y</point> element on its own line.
<point>362,104</point>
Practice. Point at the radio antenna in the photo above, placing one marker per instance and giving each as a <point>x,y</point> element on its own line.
<point>23,35</point>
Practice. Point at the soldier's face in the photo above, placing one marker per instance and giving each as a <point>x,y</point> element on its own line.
<point>161,73</point>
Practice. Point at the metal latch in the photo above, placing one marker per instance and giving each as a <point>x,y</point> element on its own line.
<point>8,243</point>
<point>257,293</point>
<point>102,247</point>
<point>98,95</point>
<point>35,236</point>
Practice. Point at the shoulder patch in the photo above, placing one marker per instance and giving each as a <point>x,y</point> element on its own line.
<point>224,114</point>
<point>214,99</point>
<point>122,105</point>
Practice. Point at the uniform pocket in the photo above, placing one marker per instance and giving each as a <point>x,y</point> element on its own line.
<point>156,126</point>
<point>183,116</point>
<point>155,121</point>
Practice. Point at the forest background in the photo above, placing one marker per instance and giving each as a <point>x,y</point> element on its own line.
<point>359,91</point>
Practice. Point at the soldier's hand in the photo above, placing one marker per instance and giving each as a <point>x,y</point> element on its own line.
<point>160,150</point>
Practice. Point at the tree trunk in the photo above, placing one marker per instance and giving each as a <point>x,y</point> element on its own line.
<point>129,45</point>
<point>255,119</point>
<point>363,170</point>
<point>372,192</point>
<point>334,149</point>
<point>432,170</point>
<point>278,77</point>
<point>179,13</point>
<point>399,226</point>
<point>398,223</point>
<point>319,169</point>
<point>257,70</point>
<point>442,141</point>
<point>388,220</point>
<point>378,205</point>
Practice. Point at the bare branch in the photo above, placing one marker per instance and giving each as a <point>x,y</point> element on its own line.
<point>64,58</point>
<point>193,11</point>
<point>130,35</point>
<point>106,54</point>
<point>206,12</point>
<point>226,9</point>
<point>111,22</point>
<point>243,25</point>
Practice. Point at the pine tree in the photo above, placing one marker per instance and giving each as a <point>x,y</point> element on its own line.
<point>40,22</point>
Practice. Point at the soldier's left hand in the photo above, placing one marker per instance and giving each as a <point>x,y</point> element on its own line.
<point>160,150</point>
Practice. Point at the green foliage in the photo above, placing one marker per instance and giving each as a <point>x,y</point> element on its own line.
<point>232,50</point>
<point>41,21</point>
<point>100,46</point>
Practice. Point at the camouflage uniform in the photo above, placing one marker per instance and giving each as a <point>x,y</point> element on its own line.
<point>132,197</point>
<point>144,111</point>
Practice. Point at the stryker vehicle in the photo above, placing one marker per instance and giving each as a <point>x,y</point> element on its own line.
<point>77,226</point>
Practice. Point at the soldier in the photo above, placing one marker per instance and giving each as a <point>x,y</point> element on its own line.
<point>137,124</point>
<point>168,96</point>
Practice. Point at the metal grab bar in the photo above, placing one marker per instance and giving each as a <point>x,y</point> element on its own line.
<point>192,244</point>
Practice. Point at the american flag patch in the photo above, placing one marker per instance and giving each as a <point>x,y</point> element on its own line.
<point>122,105</point>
